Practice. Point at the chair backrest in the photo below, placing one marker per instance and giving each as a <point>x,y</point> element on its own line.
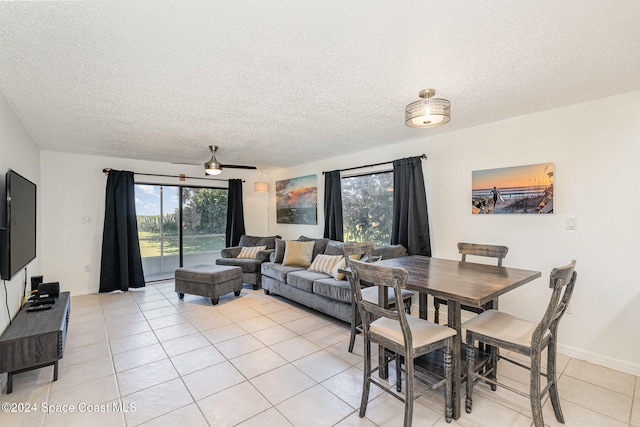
<point>363,249</point>
<point>562,280</point>
<point>388,277</point>
<point>476,249</point>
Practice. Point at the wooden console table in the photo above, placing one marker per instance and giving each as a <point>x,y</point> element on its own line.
<point>35,339</point>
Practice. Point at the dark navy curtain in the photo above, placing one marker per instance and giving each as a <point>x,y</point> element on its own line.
<point>410,217</point>
<point>235,213</point>
<point>121,264</point>
<point>333,206</point>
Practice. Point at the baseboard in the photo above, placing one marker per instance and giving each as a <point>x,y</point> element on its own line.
<point>599,359</point>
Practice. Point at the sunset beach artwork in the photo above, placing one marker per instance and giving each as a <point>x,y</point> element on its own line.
<point>513,190</point>
<point>297,200</point>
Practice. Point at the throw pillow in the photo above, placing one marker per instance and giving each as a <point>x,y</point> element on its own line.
<point>341,264</point>
<point>324,263</point>
<point>279,252</point>
<point>298,253</point>
<point>250,251</point>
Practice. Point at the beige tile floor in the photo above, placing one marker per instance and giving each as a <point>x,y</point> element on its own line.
<point>147,358</point>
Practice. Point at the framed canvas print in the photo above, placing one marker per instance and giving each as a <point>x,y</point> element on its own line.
<point>297,200</point>
<point>513,190</point>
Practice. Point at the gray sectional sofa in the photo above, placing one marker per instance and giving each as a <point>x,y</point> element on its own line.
<point>316,290</point>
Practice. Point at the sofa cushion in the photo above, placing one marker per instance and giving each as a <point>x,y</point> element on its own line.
<point>298,253</point>
<point>335,289</point>
<point>324,263</point>
<point>250,251</point>
<point>268,241</point>
<point>319,245</point>
<point>248,265</point>
<point>303,279</point>
<point>334,248</point>
<point>278,271</point>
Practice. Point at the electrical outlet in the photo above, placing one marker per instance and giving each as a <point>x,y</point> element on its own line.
<point>87,268</point>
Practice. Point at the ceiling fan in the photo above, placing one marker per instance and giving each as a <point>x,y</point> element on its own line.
<point>214,167</point>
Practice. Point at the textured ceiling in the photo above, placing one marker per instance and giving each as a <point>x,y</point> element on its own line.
<point>283,82</point>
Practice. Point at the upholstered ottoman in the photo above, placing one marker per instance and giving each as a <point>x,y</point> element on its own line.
<point>211,281</point>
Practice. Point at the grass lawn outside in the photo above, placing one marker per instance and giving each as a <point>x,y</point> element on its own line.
<point>150,243</point>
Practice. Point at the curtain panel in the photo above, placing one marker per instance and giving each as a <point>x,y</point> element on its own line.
<point>333,206</point>
<point>121,264</point>
<point>235,214</point>
<point>410,216</point>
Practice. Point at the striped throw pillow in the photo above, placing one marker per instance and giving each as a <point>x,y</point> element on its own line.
<point>324,263</point>
<point>250,251</point>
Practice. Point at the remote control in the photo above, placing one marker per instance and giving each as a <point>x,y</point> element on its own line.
<point>39,307</point>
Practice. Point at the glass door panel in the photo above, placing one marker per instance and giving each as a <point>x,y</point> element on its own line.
<point>158,218</point>
<point>204,222</point>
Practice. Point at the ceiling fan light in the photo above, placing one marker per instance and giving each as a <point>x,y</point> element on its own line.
<point>427,112</point>
<point>212,167</point>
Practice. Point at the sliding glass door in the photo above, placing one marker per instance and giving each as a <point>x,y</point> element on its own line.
<point>179,226</point>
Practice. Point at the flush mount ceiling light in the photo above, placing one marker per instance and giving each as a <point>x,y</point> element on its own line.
<point>428,112</point>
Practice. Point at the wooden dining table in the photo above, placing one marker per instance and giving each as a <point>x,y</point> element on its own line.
<point>458,282</point>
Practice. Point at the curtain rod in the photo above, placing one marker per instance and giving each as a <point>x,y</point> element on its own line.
<point>182,177</point>
<point>423,157</point>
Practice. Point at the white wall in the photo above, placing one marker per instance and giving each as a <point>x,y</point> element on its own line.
<point>595,147</point>
<point>73,190</point>
<point>20,153</point>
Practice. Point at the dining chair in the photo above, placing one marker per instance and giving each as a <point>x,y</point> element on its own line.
<point>370,293</point>
<point>499,329</point>
<point>406,336</point>
<point>473,249</point>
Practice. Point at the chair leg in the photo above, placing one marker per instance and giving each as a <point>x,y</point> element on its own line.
<point>366,385</point>
<point>399,373</point>
<point>436,311</point>
<point>354,321</point>
<point>448,384</point>
<point>551,377</point>
<point>408,398</point>
<point>495,352</point>
<point>536,403</point>
<point>470,374</point>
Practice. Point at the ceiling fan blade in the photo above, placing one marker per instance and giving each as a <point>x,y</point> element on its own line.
<point>238,167</point>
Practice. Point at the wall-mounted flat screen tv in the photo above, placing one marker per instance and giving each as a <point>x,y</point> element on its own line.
<point>18,246</point>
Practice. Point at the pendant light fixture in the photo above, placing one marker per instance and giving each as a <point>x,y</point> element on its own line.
<point>427,112</point>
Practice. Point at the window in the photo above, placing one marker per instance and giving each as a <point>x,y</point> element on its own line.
<point>367,207</point>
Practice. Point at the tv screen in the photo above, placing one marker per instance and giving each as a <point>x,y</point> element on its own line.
<point>19,243</point>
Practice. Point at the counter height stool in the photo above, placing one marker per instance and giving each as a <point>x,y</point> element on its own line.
<point>406,336</point>
<point>499,329</point>
<point>369,293</point>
